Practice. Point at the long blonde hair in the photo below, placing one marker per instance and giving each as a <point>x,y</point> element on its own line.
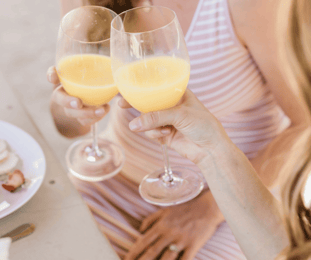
<point>295,26</point>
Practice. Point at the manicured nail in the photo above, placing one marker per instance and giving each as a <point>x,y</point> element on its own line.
<point>100,112</point>
<point>135,124</point>
<point>74,104</point>
<point>165,131</point>
<point>50,72</point>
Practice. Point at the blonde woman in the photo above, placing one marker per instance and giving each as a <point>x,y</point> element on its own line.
<point>254,215</point>
<point>236,75</point>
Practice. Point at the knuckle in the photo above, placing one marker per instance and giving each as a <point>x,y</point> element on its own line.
<point>152,134</point>
<point>67,112</point>
<point>151,252</point>
<point>84,113</point>
<point>61,99</point>
<point>181,118</point>
<point>84,122</point>
<point>183,113</point>
<point>153,117</point>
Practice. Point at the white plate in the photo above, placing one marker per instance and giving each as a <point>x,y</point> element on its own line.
<point>31,163</point>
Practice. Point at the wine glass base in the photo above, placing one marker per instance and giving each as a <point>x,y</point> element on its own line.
<point>106,163</point>
<point>186,185</point>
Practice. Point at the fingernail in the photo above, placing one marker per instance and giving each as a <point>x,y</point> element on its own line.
<point>74,104</point>
<point>135,124</point>
<point>50,72</point>
<point>165,131</point>
<point>100,112</point>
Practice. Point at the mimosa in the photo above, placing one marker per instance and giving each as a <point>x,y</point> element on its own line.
<point>153,84</point>
<point>88,77</point>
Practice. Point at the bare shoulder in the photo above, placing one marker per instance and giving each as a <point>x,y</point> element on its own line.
<point>253,19</point>
<point>255,23</point>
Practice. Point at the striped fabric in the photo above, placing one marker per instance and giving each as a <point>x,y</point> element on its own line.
<point>227,81</point>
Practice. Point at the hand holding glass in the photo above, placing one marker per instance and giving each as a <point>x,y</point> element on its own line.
<point>151,68</point>
<point>84,69</point>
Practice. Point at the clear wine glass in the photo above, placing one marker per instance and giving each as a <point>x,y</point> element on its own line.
<point>84,69</point>
<point>150,65</point>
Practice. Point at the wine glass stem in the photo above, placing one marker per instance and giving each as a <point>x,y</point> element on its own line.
<point>95,148</point>
<point>94,154</point>
<point>168,177</point>
<point>94,137</point>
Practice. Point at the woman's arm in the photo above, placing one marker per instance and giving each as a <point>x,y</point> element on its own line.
<point>248,207</point>
<point>71,118</point>
<point>255,24</point>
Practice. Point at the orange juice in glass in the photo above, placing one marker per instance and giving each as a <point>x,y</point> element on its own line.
<point>84,69</point>
<point>151,67</point>
<point>88,77</point>
<point>153,84</point>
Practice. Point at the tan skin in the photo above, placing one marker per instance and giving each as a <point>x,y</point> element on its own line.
<point>250,209</point>
<point>203,212</point>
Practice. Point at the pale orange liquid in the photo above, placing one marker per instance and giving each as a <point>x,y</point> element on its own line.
<point>153,84</point>
<point>88,77</point>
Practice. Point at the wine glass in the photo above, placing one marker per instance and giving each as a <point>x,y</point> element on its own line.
<point>151,67</point>
<point>84,69</point>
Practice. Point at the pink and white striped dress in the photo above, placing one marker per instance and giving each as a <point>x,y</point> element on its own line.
<point>227,81</point>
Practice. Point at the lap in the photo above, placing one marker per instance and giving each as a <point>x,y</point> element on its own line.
<point>119,211</point>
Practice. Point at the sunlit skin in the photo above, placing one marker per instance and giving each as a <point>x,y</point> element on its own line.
<point>257,33</point>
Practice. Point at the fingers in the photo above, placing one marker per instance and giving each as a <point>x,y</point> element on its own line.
<point>171,254</point>
<point>158,133</point>
<point>154,250</point>
<point>189,254</point>
<point>87,112</point>
<point>87,121</point>
<point>142,243</point>
<point>88,116</point>
<point>52,75</point>
<point>150,220</point>
<point>73,107</point>
<point>176,116</point>
<point>61,98</point>
<point>123,103</point>
<point>153,120</point>
<point>181,114</point>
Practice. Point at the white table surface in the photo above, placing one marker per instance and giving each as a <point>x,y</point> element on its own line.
<point>65,228</point>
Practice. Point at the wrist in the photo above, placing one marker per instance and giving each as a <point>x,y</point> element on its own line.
<point>223,150</point>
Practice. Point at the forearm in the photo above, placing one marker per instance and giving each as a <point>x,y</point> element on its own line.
<point>67,126</point>
<point>269,161</point>
<point>247,205</point>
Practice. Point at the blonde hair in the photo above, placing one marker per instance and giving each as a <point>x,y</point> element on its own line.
<point>295,26</point>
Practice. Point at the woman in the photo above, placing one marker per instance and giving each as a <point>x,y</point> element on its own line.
<point>248,101</point>
<point>249,208</point>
